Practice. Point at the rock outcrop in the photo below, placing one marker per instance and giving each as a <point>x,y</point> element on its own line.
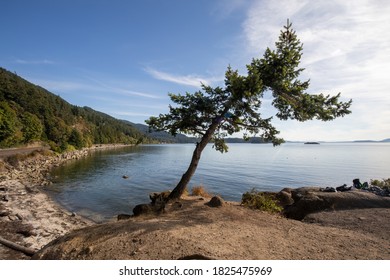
<point>302,201</point>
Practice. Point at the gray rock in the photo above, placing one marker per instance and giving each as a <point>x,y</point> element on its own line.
<point>311,200</point>
<point>142,209</point>
<point>284,197</point>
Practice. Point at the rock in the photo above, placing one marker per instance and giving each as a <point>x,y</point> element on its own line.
<point>19,216</point>
<point>3,189</point>
<point>310,200</point>
<point>157,197</point>
<point>26,232</point>
<point>4,213</point>
<point>284,197</point>
<point>13,218</point>
<point>125,177</point>
<point>30,190</point>
<point>123,217</point>
<point>142,209</point>
<point>216,201</point>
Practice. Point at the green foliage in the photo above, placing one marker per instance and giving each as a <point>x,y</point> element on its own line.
<point>261,201</point>
<point>32,127</point>
<point>76,139</point>
<point>8,124</point>
<point>31,113</point>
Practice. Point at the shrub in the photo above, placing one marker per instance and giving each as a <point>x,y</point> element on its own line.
<point>385,183</point>
<point>200,191</point>
<point>261,201</point>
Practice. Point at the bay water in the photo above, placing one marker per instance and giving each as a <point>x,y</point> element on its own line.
<point>94,186</point>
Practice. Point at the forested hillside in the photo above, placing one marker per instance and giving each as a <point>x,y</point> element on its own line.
<point>30,113</point>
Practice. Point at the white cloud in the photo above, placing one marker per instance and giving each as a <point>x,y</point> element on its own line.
<point>346,49</point>
<point>188,80</point>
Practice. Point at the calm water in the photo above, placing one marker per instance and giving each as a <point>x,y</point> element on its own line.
<point>94,187</point>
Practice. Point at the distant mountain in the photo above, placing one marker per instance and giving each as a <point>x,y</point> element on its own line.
<point>163,136</point>
<point>372,141</point>
<point>181,138</point>
<point>252,140</point>
<point>31,113</point>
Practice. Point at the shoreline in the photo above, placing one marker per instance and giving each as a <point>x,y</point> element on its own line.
<point>28,215</point>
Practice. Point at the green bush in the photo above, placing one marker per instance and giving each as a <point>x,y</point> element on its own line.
<point>384,183</point>
<point>261,201</point>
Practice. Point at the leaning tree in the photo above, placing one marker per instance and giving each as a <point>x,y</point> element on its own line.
<point>213,113</point>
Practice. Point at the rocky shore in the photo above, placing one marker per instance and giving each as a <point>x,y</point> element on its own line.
<point>28,217</point>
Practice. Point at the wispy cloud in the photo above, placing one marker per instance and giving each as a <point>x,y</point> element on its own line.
<point>188,80</point>
<point>91,85</point>
<point>122,90</point>
<point>34,62</point>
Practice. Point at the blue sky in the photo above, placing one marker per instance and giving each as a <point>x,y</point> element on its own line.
<point>123,57</point>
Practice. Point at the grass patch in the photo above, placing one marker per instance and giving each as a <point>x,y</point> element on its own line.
<point>261,201</point>
<point>200,191</point>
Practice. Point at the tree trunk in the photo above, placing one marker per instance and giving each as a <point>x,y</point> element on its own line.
<point>17,247</point>
<point>185,179</point>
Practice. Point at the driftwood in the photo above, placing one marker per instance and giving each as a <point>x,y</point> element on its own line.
<point>17,247</point>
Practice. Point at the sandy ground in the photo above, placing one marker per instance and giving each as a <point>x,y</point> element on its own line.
<point>231,232</point>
